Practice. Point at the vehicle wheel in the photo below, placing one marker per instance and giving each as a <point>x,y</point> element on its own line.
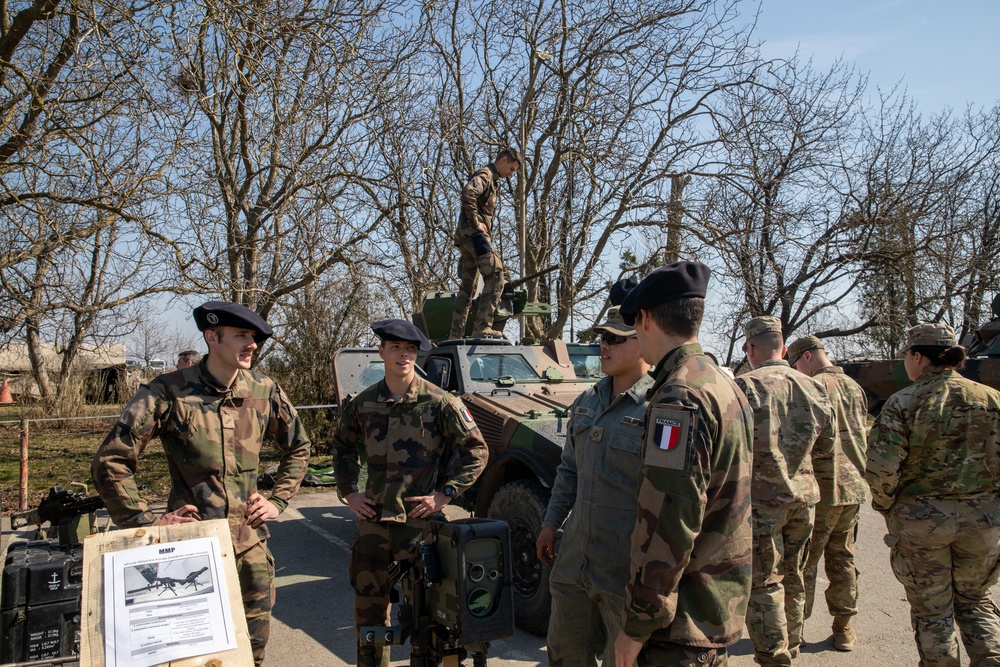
<point>522,505</point>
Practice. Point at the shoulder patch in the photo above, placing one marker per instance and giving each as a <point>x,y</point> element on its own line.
<point>668,438</point>
<point>466,415</point>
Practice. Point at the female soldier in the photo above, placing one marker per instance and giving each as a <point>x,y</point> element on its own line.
<point>934,469</point>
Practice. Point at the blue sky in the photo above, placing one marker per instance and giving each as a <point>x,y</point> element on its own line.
<point>946,53</point>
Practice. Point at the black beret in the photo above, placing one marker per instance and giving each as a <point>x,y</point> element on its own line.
<point>620,289</point>
<point>228,314</point>
<point>667,283</point>
<point>401,330</point>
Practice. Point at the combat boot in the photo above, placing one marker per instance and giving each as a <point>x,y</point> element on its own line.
<point>487,333</point>
<point>843,635</point>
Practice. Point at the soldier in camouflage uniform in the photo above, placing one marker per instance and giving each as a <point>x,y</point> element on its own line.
<point>596,480</point>
<point>793,420</point>
<point>841,493</point>
<point>689,578</point>
<point>211,419</point>
<point>474,238</point>
<point>934,471</point>
<point>406,428</point>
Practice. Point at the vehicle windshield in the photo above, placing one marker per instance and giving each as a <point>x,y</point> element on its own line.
<point>373,372</point>
<point>492,367</point>
<point>587,365</point>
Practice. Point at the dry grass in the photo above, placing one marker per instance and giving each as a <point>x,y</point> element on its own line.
<point>60,452</point>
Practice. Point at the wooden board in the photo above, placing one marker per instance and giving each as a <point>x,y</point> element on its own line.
<point>92,604</point>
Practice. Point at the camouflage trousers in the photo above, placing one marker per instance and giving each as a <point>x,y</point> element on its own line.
<point>255,568</point>
<point>469,267</point>
<point>777,592</point>
<point>678,655</point>
<point>833,540</point>
<point>946,552</point>
<point>377,546</point>
<point>583,625</point>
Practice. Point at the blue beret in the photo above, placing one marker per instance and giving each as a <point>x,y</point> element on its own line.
<point>667,283</point>
<point>620,289</point>
<point>401,330</point>
<point>228,314</point>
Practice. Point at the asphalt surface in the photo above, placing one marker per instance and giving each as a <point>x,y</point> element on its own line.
<point>313,625</point>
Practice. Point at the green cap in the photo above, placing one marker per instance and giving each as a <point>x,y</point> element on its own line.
<point>937,334</point>
<point>803,344</point>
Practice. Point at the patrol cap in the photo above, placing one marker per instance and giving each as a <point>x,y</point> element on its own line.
<point>620,290</point>
<point>401,330</point>
<point>937,334</point>
<point>667,283</point>
<point>801,345</point>
<point>760,325</point>
<point>228,314</point>
<point>615,324</point>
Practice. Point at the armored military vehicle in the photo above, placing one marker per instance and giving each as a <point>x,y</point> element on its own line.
<point>519,396</point>
<point>881,378</point>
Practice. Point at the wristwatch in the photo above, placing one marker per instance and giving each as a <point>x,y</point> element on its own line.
<point>449,491</point>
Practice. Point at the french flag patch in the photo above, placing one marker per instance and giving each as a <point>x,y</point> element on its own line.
<point>668,434</point>
<point>466,415</point>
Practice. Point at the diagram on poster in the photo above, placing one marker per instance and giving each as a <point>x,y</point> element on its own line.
<point>165,602</point>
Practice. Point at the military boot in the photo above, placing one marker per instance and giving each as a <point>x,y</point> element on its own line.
<point>843,635</point>
<point>487,333</point>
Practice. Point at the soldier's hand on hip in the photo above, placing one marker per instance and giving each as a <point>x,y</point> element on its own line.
<point>545,545</point>
<point>626,650</point>
<point>186,514</point>
<point>362,506</point>
<point>259,510</point>
<point>427,505</point>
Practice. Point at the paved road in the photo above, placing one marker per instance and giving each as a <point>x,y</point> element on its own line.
<point>313,624</point>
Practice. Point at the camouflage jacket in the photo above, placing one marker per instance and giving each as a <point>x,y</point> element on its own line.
<point>479,203</point>
<point>845,483</point>
<point>596,480</point>
<point>689,580</point>
<point>212,437</point>
<point>406,444</point>
<point>793,429</point>
<point>937,437</point>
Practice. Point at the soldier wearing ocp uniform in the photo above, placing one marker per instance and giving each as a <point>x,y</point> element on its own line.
<point>405,426</point>
<point>211,419</point>
<point>934,473</point>
<point>689,577</point>
<point>793,429</point>
<point>842,489</point>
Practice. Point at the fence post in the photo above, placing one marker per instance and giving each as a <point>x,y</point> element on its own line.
<point>23,496</point>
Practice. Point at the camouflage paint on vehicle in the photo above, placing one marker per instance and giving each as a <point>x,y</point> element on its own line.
<point>881,378</point>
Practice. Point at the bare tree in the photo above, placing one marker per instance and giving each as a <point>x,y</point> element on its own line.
<point>608,104</point>
<point>280,166</point>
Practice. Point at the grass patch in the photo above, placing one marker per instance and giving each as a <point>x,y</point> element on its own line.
<point>60,452</point>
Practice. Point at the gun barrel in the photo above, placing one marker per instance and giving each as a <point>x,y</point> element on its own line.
<point>514,284</point>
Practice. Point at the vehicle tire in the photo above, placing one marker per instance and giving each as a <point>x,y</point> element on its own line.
<point>522,505</point>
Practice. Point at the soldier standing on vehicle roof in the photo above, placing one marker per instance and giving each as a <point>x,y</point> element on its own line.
<point>794,429</point>
<point>211,419</point>
<point>596,480</point>
<point>934,470</point>
<point>689,578</point>
<point>474,238</point>
<point>842,489</point>
<point>405,426</point>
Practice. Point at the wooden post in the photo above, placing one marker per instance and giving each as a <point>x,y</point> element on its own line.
<point>23,496</point>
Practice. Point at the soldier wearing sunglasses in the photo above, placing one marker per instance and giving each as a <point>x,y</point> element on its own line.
<point>596,479</point>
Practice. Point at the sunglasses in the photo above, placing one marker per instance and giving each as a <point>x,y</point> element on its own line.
<point>614,339</point>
